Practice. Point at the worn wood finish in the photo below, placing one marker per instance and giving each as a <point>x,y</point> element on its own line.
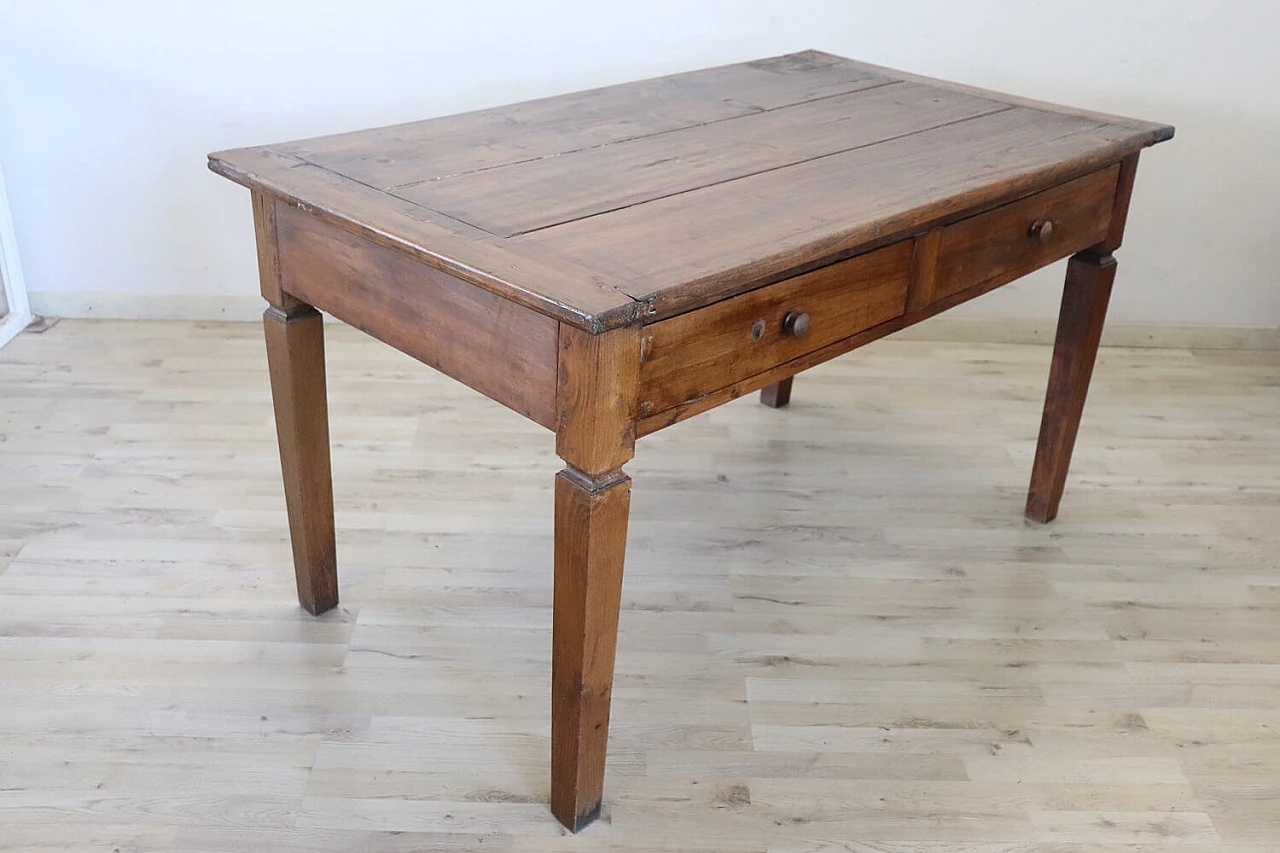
<point>1000,246</point>
<point>559,204</point>
<point>267,238</point>
<point>611,262</point>
<point>711,352</point>
<point>838,633</point>
<point>776,395</point>
<point>409,154</point>
<point>530,195</point>
<point>591,538</point>
<point>1120,209</point>
<point>699,352</point>
<point>987,249</point>
<point>1159,132</point>
<point>650,423</point>
<point>596,399</point>
<point>924,270</point>
<point>553,286</point>
<point>295,355</point>
<point>1085,295</point>
<point>1084,308</point>
<point>596,404</point>
<point>503,350</point>
<point>717,244</point>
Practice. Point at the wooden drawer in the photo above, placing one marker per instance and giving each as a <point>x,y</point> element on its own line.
<point>693,354</point>
<point>1008,242</point>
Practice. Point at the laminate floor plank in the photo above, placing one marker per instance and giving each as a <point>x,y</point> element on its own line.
<point>838,633</point>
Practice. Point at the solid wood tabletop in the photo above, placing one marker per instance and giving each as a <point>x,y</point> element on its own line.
<point>632,203</point>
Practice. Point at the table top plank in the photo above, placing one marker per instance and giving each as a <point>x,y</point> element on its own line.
<point>1157,131</point>
<point>716,239</point>
<point>551,285</point>
<point>427,150</point>
<point>631,203</point>
<point>534,194</point>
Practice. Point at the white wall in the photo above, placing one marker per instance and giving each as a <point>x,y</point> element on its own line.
<point>107,110</point>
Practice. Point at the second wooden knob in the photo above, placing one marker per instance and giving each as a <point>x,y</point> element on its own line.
<point>796,324</point>
<point>1042,229</point>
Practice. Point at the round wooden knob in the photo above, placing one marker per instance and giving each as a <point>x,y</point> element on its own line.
<point>795,324</point>
<point>1042,229</point>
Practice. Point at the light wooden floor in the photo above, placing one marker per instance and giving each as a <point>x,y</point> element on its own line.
<point>839,634</point>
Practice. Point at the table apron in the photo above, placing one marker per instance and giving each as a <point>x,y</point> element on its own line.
<point>502,349</point>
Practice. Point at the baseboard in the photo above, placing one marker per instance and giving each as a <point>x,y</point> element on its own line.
<point>136,306</point>
<point>1016,330</point>
<point>129,306</point>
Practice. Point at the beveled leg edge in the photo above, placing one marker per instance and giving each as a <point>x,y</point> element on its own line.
<point>289,314</point>
<point>1096,256</point>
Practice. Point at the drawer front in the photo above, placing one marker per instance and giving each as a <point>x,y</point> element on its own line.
<point>1006,243</point>
<point>693,354</point>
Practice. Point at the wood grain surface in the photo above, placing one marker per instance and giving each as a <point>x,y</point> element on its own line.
<point>633,203</point>
<point>591,544</point>
<point>295,355</point>
<point>703,351</point>
<point>502,349</point>
<point>612,262</point>
<point>837,631</point>
<point>596,436</point>
<point>998,246</point>
<point>1085,295</point>
<point>596,399</point>
<point>533,194</point>
<point>650,423</point>
<point>267,240</point>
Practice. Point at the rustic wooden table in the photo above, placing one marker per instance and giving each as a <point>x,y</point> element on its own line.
<point>611,262</point>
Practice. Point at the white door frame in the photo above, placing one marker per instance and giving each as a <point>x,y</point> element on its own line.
<point>15,289</point>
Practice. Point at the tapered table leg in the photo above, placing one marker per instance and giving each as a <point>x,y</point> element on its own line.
<point>1084,308</point>
<point>596,402</point>
<point>295,355</point>
<point>591,537</point>
<point>778,394</point>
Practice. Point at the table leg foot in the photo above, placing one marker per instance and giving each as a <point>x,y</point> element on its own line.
<point>778,394</point>
<point>591,536</point>
<point>1084,308</point>
<point>295,355</point>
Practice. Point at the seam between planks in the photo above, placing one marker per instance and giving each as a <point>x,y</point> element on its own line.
<point>593,322</point>
<point>757,111</point>
<point>800,162</point>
